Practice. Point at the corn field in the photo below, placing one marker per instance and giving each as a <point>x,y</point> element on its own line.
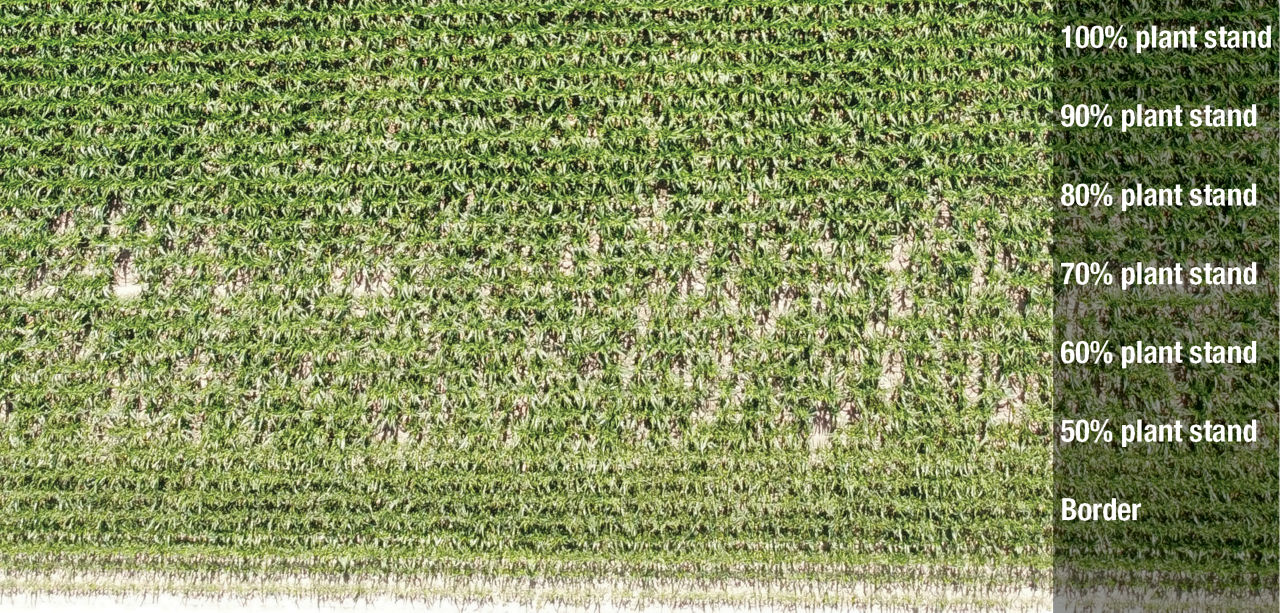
<point>690,301</point>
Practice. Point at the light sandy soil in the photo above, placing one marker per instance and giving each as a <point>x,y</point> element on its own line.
<point>249,592</point>
<point>176,604</point>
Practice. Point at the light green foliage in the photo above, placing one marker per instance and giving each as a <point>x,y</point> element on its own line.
<point>694,291</point>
